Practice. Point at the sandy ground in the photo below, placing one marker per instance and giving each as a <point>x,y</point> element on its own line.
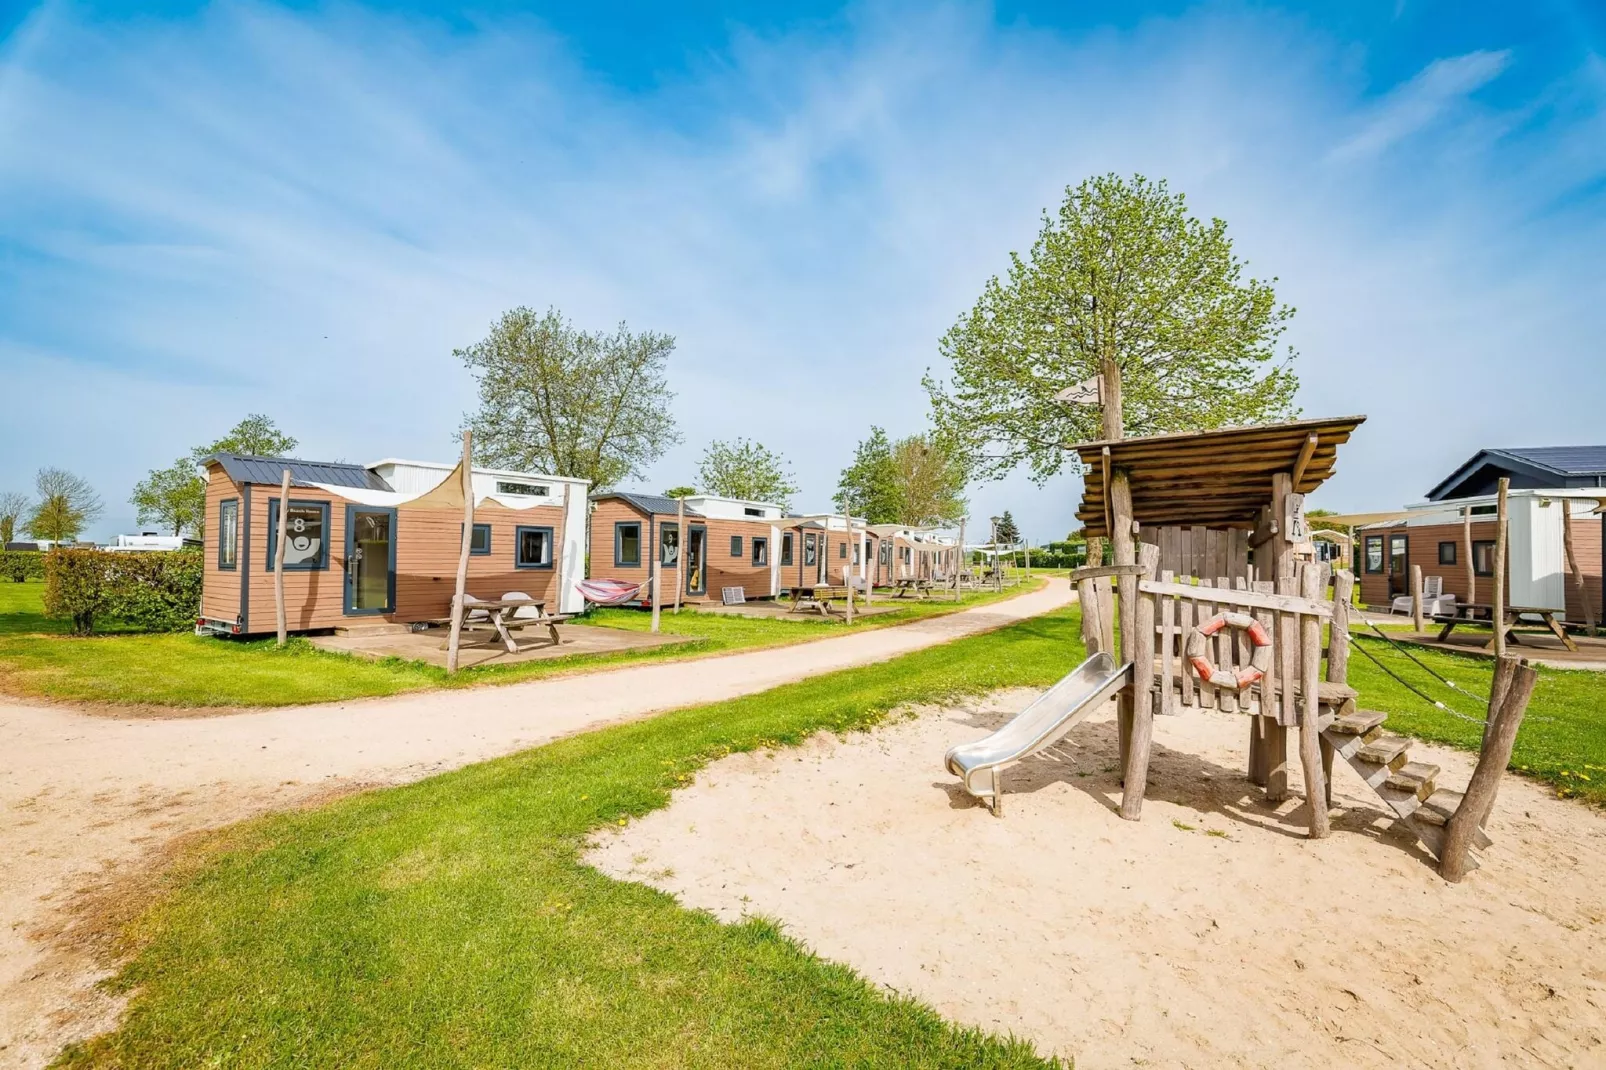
<point>84,797</point>
<point>1210,934</point>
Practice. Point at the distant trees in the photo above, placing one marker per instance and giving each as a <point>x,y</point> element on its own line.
<point>680,492</point>
<point>587,405</point>
<point>64,506</point>
<point>14,507</point>
<point>746,470</point>
<point>255,436</point>
<point>175,496</point>
<point>915,480</point>
<point>1125,287</point>
<point>1007,533</point>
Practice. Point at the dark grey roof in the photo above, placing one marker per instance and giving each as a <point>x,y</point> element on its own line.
<point>1529,468</point>
<point>270,470</point>
<point>647,503</point>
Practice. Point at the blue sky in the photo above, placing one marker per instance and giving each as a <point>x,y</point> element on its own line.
<point>208,210</point>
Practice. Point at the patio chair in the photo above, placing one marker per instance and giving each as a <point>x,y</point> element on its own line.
<point>1432,592</point>
<point>530,613</point>
<point>470,614</point>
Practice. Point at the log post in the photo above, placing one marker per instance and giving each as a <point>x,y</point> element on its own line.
<point>1120,495</point>
<point>1500,737</point>
<point>657,569</point>
<point>454,640</point>
<point>964,560</point>
<point>1140,736</point>
<point>1416,598</point>
<point>1572,564</point>
<point>847,571</point>
<point>1337,657</point>
<point>1466,553</point>
<point>1310,649</point>
<point>1500,569</point>
<point>278,558</point>
<point>680,549</point>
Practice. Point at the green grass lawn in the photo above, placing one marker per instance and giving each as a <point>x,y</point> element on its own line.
<point>451,923</point>
<point>188,671</point>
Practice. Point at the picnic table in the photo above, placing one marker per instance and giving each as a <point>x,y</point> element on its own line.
<point>1481,615</point>
<point>810,596</point>
<point>500,613</point>
<point>918,586</point>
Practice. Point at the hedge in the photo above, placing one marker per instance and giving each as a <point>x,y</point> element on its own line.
<point>22,565</point>
<point>154,591</point>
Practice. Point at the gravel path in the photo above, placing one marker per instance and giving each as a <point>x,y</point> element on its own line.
<point>82,795</point>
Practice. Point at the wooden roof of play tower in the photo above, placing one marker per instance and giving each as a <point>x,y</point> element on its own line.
<point>1210,478</point>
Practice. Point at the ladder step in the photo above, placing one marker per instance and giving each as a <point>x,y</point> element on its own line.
<point>1415,777</point>
<point>1389,751</point>
<point>1358,723</point>
<point>1439,806</point>
<point>1403,803</point>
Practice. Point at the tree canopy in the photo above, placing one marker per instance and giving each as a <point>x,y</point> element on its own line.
<point>868,487</point>
<point>746,470</point>
<point>255,436</point>
<point>680,492</point>
<point>174,497</point>
<point>65,505</point>
<point>14,507</point>
<point>1123,284</point>
<point>915,480</point>
<point>1007,531</point>
<point>586,405</point>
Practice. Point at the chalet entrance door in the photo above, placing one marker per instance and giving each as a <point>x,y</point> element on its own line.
<point>370,560</point>
<point>1399,566</point>
<point>696,559</point>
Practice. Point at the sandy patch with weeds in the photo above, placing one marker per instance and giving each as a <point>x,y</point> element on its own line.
<point>1210,934</point>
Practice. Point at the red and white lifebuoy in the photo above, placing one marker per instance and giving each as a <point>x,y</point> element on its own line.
<point>1250,674</point>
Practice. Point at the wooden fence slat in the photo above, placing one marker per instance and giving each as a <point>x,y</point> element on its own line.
<point>1246,649</point>
<point>1185,679</point>
<point>1168,613</point>
<point>1226,697</point>
<point>1199,569</point>
<point>1252,598</point>
<point>1288,649</point>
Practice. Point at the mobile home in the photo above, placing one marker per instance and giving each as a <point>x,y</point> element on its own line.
<point>728,542</point>
<point>380,542</point>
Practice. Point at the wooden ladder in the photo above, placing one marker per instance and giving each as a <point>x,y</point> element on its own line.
<point>1409,787</point>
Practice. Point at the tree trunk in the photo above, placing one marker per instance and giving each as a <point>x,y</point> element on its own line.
<point>454,640</point>
<point>1499,600</point>
<point>278,559</point>
<point>1110,399</point>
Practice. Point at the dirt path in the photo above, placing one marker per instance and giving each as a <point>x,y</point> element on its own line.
<point>1210,934</point>
<point>80,794</point>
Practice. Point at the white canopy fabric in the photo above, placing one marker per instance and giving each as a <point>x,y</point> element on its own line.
<point>447,494</point>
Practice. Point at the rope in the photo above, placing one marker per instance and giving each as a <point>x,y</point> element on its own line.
<point>1412,687</point>
<point>1451,684</point>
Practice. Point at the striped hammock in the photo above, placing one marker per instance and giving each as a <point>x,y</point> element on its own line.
<point>609,592</point>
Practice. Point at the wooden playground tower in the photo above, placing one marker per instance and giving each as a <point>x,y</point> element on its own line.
<point>1212,523</point>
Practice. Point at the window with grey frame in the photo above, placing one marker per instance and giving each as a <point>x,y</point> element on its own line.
<point>532,547</point>
<point>228,533</point>
<point>669,544</point>
<point>627,544</point>
<point>736,546</point>
<point>1374,554</point>
<point>786,548</point>
<point>809,549</point>
<point>1483,557</point>
<point>479,543</point>
<point>306,544</point>
<point>761,551</point>
<point>1447,553</point>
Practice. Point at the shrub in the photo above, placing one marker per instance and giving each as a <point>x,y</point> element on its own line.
<point>157,592</point>
<point>22,565</point>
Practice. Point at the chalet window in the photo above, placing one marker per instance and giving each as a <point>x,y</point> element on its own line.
<point>736,546</point>
<point>761,551</point>
<point>627,544</point>
<point>786,548</point>
<point>1483,557</point>
<point>842,550</point>
<point>1374,553</point>
<point>532,547</point>
<point>479,544</point>
<point>523,490</point>
<point>749,511</point>
<point>669,545</point>
<point>855,553</point>
<point>809,548</point>
<point>306,545</point>
<point>886,554</point>
<point>228,533</point>
<point>1446,553</point>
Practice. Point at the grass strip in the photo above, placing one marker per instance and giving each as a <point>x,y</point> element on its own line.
<point>451,923</point>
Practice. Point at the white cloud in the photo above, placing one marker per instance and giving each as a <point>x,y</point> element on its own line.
<point>1418,103</point>
<point>303,214</point>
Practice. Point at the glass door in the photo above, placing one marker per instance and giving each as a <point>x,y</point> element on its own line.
<point>370,560</point>
<point>1399,567</point>
<point>696,554</point>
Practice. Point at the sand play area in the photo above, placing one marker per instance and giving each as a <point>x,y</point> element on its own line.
<point>1210,934</point>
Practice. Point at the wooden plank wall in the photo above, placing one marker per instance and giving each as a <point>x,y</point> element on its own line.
<point>220,588</point>
<point>1203,553</point>
<point>1422,549</point>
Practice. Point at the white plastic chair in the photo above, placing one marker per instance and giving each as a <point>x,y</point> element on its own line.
<point>1432,593</point>
<point>527,613</point>
<point>470,613</point>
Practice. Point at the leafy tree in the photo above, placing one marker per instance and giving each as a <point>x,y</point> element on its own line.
<point>1126,286</point>
<point>1008,534</point>
<point>174,497</point>
<point>930,481</point>
<point>870,486</point>
<point>587,405</point>
<point>66,505</point>
<point>255,436</point>
<point>680,492</point>
<point>13,507</point>
<point>747,470</point>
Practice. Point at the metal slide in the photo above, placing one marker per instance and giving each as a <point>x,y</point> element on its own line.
<point>1043,723</point>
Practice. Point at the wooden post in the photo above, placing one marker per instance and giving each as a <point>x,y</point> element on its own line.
<point>1416,598</point>
<point>278,558</point>
<point>1499,600</point>
<point>454,640</point>
<point>847,573</point>
<point>1140,738</point>
<point>1499,739</point>
<point>1466,553</point>
<point>1120,495</point>
<point>1028,559</point>
<point>1572,563</point>
<point>1310,755</point>
<point>1337,657</point>
<point>680,550</point>
<point>964,559</point>
<point>657,570</point>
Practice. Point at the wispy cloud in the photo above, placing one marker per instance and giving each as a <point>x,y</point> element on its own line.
<point>260,210</point>
<point>1417,104</point>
